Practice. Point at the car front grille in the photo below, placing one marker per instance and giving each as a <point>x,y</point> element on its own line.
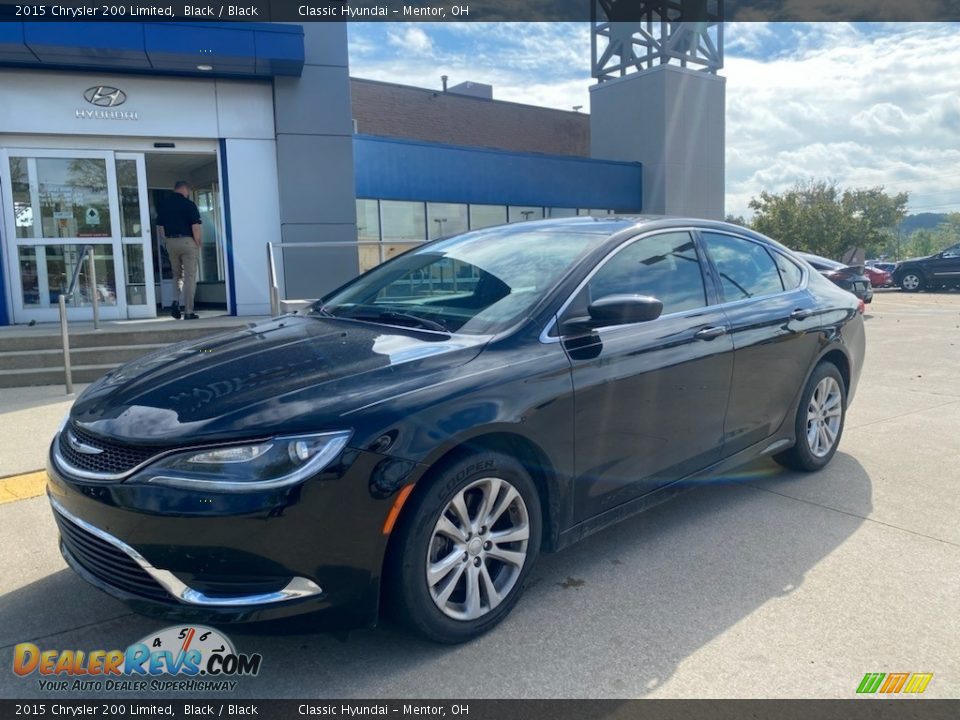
<point>107,562</point>
<point>114,459</point>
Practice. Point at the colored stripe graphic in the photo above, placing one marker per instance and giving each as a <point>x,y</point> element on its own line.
<point>918,682</point>
<point>870,682</point>
<point>893,683</point>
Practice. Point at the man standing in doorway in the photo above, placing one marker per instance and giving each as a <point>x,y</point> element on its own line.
<point>178,220</point>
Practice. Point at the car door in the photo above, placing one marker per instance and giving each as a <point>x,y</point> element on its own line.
<point>650,397</point>
<point>775,329</point>
<point>945,269</point>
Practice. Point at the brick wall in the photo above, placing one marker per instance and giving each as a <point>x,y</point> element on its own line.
<point>431,115</point>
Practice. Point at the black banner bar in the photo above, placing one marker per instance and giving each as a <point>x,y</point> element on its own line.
<point>479,10</point>
<point>854,709</point>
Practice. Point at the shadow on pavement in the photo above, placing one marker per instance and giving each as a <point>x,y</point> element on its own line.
<point>611,616</point>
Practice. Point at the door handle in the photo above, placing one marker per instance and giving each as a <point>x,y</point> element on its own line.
<point>800,314</point>
<point>709,333</point>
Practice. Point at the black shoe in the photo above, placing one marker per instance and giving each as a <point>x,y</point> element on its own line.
<point>191,316</point>
<point>175,310</point>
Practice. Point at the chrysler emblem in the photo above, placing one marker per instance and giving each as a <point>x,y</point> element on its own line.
<point>105,96</point>
<point>82,447</point>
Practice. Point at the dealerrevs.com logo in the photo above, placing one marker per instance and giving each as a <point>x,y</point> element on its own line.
<point>201,658</point>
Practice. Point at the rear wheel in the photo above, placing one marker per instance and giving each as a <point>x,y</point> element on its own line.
<point>819,421</point>
<point>465,548</point>
<point>911,281</point>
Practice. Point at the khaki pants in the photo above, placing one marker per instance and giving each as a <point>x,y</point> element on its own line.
<point>183,260</point>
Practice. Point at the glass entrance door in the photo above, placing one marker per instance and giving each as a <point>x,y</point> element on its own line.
<point>57,201</point>
<point>135,235</point>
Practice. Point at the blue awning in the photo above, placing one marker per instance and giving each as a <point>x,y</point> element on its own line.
<point>395,169</point>
<point>232,49</point>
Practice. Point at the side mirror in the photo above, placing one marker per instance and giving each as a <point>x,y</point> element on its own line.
<point>623,309</point>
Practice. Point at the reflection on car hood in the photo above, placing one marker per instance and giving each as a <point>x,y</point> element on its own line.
<point>293,373</point>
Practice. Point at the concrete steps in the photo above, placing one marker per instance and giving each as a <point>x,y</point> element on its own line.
<point>34,356</point>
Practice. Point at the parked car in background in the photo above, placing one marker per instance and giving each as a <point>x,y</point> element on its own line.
<point>882,265</point>
<point>410,443</point>
<point>879,278</point>
<point>850,278</point>
<point>930,273</point>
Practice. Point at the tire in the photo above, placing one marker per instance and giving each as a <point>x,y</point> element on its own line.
<point>431,532</point>
<point>821,416</point>
<point>912,281</point>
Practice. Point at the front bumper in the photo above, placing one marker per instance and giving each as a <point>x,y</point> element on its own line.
<point>234,557</point>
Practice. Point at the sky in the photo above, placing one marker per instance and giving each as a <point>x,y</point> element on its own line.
<point>859,104</point>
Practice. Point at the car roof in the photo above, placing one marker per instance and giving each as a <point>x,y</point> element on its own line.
<point>617,223</point>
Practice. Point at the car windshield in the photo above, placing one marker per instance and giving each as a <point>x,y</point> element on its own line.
<point>476,283</point>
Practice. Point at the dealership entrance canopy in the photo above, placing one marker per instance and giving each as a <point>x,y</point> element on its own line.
<point>279,144</point>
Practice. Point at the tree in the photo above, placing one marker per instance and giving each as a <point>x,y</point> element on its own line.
<point>822,218</point>
<point>927,242</point>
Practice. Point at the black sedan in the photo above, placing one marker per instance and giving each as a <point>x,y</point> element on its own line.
<point>850,278</point>
<point>412,441</point>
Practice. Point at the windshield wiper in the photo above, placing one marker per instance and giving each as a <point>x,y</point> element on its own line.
<point>396,317</point>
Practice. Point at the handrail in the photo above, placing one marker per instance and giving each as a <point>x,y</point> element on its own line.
<point>273,286</point>
<point>88,252</point>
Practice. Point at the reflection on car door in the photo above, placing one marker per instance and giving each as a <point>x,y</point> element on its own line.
<point>650,397</point>
<point>775,332</point>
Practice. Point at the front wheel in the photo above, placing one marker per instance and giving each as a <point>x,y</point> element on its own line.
<point>911,281</point>
<point>465,548</point>
<point>819,422</point>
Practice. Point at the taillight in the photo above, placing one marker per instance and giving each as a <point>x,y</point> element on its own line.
<point>838,275</point>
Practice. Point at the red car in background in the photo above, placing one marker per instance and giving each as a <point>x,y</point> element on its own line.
<point>879,278</point>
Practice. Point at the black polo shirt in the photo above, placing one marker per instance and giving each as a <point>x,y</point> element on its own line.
<point>177,215</point>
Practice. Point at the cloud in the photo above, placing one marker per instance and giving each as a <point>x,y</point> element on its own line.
<point>412,39</point>
<point>863,104</point>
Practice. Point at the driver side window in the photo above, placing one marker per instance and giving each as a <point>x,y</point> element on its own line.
<point>952,251</point>
<point>663,266</point>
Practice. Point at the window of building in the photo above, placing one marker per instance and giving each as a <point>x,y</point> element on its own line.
<point>561,212</point>
<point>445,219</point>
<point>22,203</point>
<point>746,268</point>
<point>522,213</point>
<point>368,220</point>
<point>402,220</point>
<point>73,197</point>
<point>482,216</point>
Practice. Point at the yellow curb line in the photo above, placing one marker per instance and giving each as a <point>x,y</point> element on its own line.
<point>22,487</point>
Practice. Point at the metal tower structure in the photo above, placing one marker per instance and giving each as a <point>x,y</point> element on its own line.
<point>635,35</point>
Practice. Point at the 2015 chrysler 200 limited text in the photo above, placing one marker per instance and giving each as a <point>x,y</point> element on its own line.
<point>413,440</point>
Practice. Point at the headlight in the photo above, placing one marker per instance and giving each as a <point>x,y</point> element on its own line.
<point>264,465</point>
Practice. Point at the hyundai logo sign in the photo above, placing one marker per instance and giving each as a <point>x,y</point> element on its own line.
<point>105,96</point>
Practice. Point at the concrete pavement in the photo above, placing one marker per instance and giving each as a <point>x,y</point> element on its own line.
<point>764,583</point>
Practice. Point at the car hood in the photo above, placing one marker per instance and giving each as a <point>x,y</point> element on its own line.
<point>917,259</point>
<point>290,374</point>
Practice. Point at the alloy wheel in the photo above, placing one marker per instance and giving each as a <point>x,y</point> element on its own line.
<point>477,549</point>
<point>910,282</point>
<point>823,417</point>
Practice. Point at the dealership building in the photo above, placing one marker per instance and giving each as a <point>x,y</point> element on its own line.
<point>282,146</point>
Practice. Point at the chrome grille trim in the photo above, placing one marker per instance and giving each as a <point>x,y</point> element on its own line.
<point>297,587</point>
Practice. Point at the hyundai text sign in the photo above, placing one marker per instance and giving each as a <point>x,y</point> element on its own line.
<point>105,98</point>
